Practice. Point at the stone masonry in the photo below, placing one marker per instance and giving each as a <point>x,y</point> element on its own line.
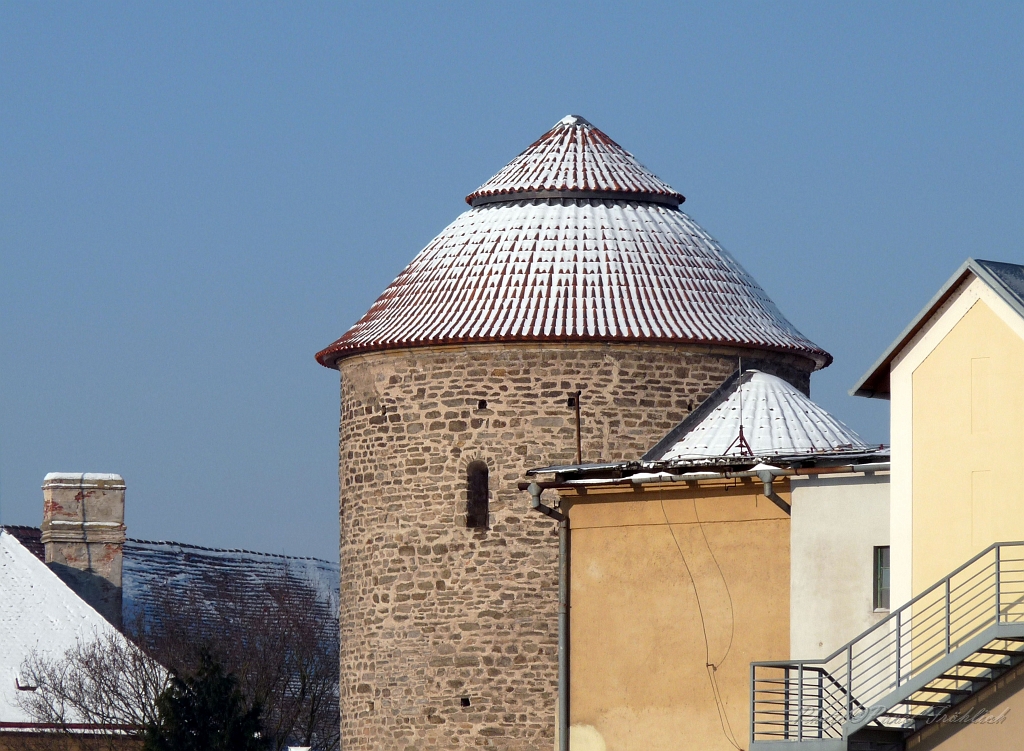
<point>435,615</point>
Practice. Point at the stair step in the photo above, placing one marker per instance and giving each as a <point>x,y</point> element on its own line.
<point>919,702</point>
<point>986,665</point>
<point>950,691</point>
<point>1003,652</point>
<point>971,678</point>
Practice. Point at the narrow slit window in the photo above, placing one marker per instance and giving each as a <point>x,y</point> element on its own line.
<point>477,505</point>
<point>881,577</point>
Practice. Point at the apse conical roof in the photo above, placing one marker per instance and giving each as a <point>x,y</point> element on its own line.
<point>574,240</point>
<point>777,420</point>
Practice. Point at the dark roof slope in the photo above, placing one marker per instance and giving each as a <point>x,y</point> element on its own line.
<point>30,537</point>
<point>155,573</point>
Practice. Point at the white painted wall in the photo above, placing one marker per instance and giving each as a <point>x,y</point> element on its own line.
<point>837,520</point>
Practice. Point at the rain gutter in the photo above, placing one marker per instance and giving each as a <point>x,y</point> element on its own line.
<point>535,491</point>
<point>763,472</point>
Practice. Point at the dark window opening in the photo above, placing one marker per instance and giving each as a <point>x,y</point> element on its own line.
<point>482,404</point>
<point>881,578</point>
<point>476,495</point>
<point>465,701</point>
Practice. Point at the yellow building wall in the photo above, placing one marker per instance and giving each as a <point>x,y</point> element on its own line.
<point>639,675</point>
<point>968,445</point>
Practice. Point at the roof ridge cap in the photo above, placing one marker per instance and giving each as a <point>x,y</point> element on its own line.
<point>227,550</point>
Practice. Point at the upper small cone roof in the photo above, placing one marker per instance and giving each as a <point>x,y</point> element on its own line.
<point>573,241</point>
<point>575,158</point>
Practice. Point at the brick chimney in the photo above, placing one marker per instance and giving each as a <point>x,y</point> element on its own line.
<point>83,536</point>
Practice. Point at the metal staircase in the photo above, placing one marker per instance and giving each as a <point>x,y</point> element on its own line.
<point>925,658</point>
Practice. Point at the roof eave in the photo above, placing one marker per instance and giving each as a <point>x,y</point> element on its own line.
<point>623,469</point>
<point>338,351</point>
<point>506,196</point>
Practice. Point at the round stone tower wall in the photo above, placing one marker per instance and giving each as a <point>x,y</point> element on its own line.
<point>434,614</point>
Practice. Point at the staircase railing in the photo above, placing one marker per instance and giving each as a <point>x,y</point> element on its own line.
<point>812,699</point>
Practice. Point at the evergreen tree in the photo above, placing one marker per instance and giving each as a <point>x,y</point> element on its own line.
<point>204,712</point>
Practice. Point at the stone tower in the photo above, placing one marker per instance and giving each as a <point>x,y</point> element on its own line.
<point>574,269</point>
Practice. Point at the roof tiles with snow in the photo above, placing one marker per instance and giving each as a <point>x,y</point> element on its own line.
<point>777,420</point>
<point>575,157</point>
<point>582,265</point>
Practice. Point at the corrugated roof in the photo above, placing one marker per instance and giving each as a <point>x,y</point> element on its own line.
<point>777,420</point>
<point>37,612</point>
<point>1005,279</point>
<point>575,157</point>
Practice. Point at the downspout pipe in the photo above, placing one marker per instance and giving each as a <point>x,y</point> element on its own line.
<point>563,611</point>
<point>767,477</point>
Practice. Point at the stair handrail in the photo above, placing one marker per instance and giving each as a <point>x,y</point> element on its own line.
<point>898,611</point>
<point>883,625</point>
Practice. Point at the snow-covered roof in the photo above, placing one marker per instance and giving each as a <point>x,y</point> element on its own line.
<point>575,157</point>
<point>155,573</point>
<point>37,612</point>
<point>606,258</point>
<point>78,478</point>
<point>777,420</point>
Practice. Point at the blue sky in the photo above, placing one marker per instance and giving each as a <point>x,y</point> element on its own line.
<point>195,198</point>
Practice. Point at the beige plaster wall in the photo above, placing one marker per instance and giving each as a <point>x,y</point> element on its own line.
<point>837,521</point>
<point>638,653</point>
<point>968,444</point>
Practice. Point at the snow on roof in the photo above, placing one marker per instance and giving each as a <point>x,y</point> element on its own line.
<point>777,419</point>
<point>37,612</point>
<point>575,157</point>
<point>155,573</point>
<point>79,478</point>
<point>573,270</point>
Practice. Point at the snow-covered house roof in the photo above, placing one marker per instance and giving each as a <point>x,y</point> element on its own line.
<point>574,240</point>
<point>38,612</point>
<point>156,573</point>
<point>777,420</point>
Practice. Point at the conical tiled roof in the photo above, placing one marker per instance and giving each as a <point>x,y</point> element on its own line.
<point>573,241</point>
<point>777,420</point>
<point>575,158</point>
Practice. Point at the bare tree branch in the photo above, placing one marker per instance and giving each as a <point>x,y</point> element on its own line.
<point>106,681</point>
